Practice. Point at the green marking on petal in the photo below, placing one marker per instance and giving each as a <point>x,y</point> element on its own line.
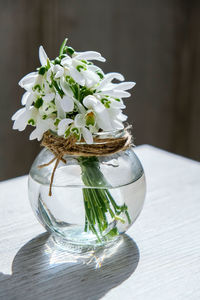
<point>76,133</point>
<point>105,102</point>
<point>31,122</point>
<point>100,74</point>
<point>67,133</point>
<point>44,117</point>
<point>90,119</point>
<point>38,103</point>
<point>57,121</point>
<point>69,79</point>
<point>116,99</point>
<point>37,87</point>
<point>79,67</point>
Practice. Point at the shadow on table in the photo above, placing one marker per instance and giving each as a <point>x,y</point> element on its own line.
<point>42,270</point>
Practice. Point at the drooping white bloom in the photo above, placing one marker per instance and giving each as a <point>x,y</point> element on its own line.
<point>102,117</point>
<point>80,123</point>
<point>32,116</point>
<point>115,90</point>
<point>63,126</point>
<point>83,73</point>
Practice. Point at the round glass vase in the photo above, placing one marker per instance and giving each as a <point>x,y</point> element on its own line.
<point>94,199</point>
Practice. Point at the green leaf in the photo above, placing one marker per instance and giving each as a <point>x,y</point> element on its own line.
<point>70,50</point>
<point>59,90</point>
<point>57,61</point>
<point>48,64</point>
<point>62,48</point>
<point>42,70</point>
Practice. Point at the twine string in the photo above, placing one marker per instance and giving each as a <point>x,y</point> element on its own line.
<point>60,146</point>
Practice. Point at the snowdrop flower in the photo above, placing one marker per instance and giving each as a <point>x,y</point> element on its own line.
<point>21,118</point>
<point>115,90</point>
<point>82,72</point>
<point>41,127</point>
<point>80,123</point>
<point>24,117</point>
<point>102,117</point>
<point>63,127</point>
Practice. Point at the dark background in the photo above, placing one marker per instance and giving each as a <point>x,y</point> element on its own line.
<point>153,42</point>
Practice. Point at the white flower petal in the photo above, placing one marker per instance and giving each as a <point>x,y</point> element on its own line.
<point>79,121</point>
<point>29,101</point>
<point>33,135</point>
<point>122,117</point>
<point>117,124</point>
<point>81,108</point>
<point>102,116</point>
<point>124,86</point>
<point>18,113</point>
<point>36,134</point>
<point>116,94</point>
<point>94,69</point>
<point>42,56</point>
<point>67,103</point>
<point>48,97</point>
<point>77,76</point>
<point>87,135</point>
<point>41,127</point>
<point>49,73</point>
<point>60,111</point>
<point>21,120</point>
<point>65,87</point>
<point>24,98</point>
<point>108,78</point>
<point>116,104</point>
<point>90,101</point>
<point>91,78</point>
<point>59,73</point>
<point>62,126</point>
<point>28,81</point>
<point>58,70</point>
<point>67,61</point>
<point>89,55</point>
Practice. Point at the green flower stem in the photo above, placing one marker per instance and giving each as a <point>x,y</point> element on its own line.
<point>98,201</point>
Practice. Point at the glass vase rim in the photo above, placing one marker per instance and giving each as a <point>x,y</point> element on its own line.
<point>117,133</point>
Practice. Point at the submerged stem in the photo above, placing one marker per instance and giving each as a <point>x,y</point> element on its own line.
<point>98,201</point>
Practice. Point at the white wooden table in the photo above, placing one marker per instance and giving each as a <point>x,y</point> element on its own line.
<point>158,259</point>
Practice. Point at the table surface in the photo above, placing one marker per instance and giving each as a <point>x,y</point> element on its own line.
<point>159,258</point>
